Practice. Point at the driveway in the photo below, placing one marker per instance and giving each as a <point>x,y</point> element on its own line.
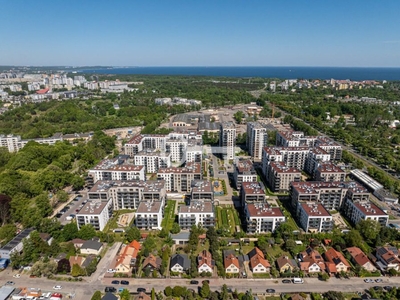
<point>104,263</point>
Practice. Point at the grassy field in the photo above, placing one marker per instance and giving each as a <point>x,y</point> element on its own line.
<point>169,215</point>
<point>227,217</point>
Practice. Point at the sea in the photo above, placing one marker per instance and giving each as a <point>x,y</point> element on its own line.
<point>342,73</point>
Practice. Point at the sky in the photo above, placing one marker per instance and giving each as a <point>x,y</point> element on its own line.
<point>340,33</point>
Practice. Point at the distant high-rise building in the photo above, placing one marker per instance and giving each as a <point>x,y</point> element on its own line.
<point>227,140</point>
<point>256,140</point>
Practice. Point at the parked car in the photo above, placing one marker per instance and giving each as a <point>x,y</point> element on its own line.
<point>271,291</point>
<point>140,290</point>
<point>124,282</point>
<point>110,289</point>
<point>17,275</point>
<point>378,280</point>
<point>194,282</point>
<point>57,287</point>
<point>286,281</point>
<point>367,280</point>
<point>115,282</point>
<point>10,283</point>
<point>111,271</point>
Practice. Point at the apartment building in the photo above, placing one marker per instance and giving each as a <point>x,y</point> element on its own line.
<point>329,172</point>
<point>293,157</point>
<point>116,169</point>
<point>288,138</point>
<point>313,217</point>
<point>330,194</point>
<point>270,154</point>
<point>178,179</point>
<point>11,142</point>
<point>152,160</point>
<point>244,172</point>
<point>316,156</point>
<point>252,192</point>
<point>193,152</point>
<point>202,190</point>
<point>356,211</point>
<point>280,176</point>
<point>128,194</point>
<point>227,140</point>
<point>96,213</point>
<point>331,147</point>
<point>149,215</point>
<point>197,213</point>
<point>256,139</point>
<point>261,218</point>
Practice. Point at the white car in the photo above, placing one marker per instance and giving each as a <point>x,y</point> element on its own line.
<point>17,275</point>
<point>368,280</point>
<point>57,287</point>
<point>111,271</point>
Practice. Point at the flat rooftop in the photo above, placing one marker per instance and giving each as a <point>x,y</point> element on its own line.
<point>281,168</point>
<point>105,185</point>
<point>15,241</point>
<point>315,210</point>
<point>197,207</point>
<point>330,168</point>
<point>149,207</point>
<point>92,208</point>
<point>313,187</point>
<point>365,179</point>
<point>201,186</point>
<point>245,167</point>
<point>253,188</point>
<point>263,210</point>
<point>190,167</point>
<point>369,209</point>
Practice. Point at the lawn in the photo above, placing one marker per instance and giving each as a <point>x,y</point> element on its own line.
<point>227,217</point>
<point>169,215</point>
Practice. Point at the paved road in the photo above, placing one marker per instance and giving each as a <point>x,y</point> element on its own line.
<point>84,290</point>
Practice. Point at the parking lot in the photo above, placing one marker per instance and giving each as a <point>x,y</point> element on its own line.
<point>65,214</point>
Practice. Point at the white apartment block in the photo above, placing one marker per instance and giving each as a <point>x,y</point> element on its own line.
<point>331,147</point>
<point>197,213</point>
<point>149,215</point>
<point>96,213</point>
<point>227,140</point>
<point>329,172</point>
<point>153,160</point>
<point>117,169</point>
<point>261,218</point>
<point>256,139</point>
<point>252,192</point>
<point>178,179</point>
<point>364,210</point>
<point>315,157</point>
<point>293,157</point>
<point>244,172</point>
<point>11,142</point>
<point>313,217</point>
<point>128,194</point>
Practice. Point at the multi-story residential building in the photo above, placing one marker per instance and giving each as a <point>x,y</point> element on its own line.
<point>288,138</point>
<point>356,211</point>
<point>315,157</point>
<point>193,152</point>
<point>11,142</point>
<point>261,218</point>
<point>244,172</point>
<point>117,168</point>
<point>96,213</point>
<point>178,179</point>
<point>256,139</point>
<point>149,215</point>
<point>196,213</point>
<point>280,176</point>
<point>153,160</point>
<point>329,172</point>
<point>202,190</point>
<point>293,157</point>
<point>227,140</point>
<point>128,194</point>
<point>252,192</point>
<point>329,194</point>
<point>313,217</point>
<point>331,147</point>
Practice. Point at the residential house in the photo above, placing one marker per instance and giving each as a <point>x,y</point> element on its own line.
<point>358,257</point>
<point>335,262</point>
<point>286,264</point>
<point>78,243</point>
<point>205,263</point>
<point>88,260</point>
<point>311,261</point>
<point>152,263</point>
<point>388,258</point>
<point>76,260</point>
<point>91,247</point>
<point>231,264</point>
<point>126,258</point>
<point>257,261</point>
<point>142,296</point>
<point>109,296</point>
<point>46,238</point>
<point>179,263</point>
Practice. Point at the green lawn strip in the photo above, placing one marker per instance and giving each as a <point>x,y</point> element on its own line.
<point>224,217</point>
